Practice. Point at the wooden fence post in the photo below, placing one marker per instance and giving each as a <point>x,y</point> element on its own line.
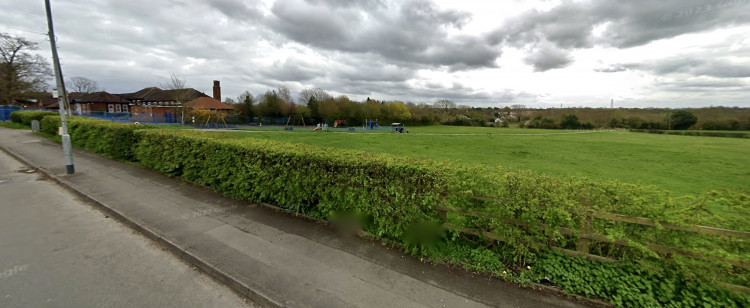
<point>584,244</point>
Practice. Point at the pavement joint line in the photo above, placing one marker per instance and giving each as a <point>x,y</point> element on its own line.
<point>254,293</point>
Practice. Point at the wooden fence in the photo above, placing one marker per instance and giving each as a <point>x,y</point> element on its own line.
<point>586,236</point>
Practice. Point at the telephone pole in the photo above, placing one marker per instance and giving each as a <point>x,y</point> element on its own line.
<point>62,97</point>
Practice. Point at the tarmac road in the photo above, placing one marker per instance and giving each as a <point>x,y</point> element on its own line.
<point>58,251</point>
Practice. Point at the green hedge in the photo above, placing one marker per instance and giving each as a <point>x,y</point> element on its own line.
<point>112,139</point>
<point>393,192</point>
<point>26,116</point>
<point>694,133</point>
<point>392,198</point>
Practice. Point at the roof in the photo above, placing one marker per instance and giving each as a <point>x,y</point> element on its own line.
<point>139,95</point>
<point>154,94</point>
<point>98,97</point>
<point>208,103</point>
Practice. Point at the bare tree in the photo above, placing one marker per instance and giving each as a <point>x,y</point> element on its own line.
<point>445,104</point>
<point>319,95</point>
<point>20,71</point>
<point>180,93</point>
<point>82,85</point>
<point>284,94</point>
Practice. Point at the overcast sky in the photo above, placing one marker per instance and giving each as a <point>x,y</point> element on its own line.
<point>645,53</point>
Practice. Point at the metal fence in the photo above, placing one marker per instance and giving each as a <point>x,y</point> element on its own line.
<point>5,112</point>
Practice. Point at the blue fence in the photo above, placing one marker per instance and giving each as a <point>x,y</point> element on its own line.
<point>132,117</point>
<point>5,112</point>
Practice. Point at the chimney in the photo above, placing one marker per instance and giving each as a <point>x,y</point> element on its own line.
<point>217,90</point>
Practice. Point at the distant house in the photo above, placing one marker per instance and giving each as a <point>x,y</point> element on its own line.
<point>87,103</point>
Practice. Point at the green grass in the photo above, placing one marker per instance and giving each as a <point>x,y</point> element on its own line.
<point>683,164</point>
<point>13,125</point>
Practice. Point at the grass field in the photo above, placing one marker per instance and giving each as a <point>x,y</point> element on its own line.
<point>683,164</point>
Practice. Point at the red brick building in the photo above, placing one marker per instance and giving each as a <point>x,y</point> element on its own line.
<point>98,102</point>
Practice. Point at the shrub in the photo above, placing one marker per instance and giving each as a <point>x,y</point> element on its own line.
<point>570,122</point>
<point>393,192</point>
<point>25,117</point>
<point>682,120</point>
<point>104,137</point>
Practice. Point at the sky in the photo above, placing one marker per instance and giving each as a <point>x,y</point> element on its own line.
<point>542,54</point>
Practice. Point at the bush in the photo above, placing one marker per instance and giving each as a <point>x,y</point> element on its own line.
<point>104,137</point>
<point>25,117</point>
<point>683,119</point>
<point>570,122</point>
<point>307,179</point>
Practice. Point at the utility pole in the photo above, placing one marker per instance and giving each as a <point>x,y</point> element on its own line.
<point>62,99</point>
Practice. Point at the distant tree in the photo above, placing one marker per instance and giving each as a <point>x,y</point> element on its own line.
<point>396,111</point>
<point>328,109</point>
<point>570,122</point>
<point>271,105</point>
<point>317,94</point>
<point>20,71</point>
<point>246,104</point>
<point>444,104</point>
<point>682,119</point>
<point>371,110</point>
<point>284,94</point>
<point>82,85</point>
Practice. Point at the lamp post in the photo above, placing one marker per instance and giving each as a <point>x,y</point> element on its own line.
<point>62,101</point>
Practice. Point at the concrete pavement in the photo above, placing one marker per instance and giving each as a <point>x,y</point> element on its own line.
<point>273,258</point>
<point>56,251</point>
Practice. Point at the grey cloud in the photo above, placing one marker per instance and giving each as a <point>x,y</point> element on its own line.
<point>239,10</point>
<point>570,25</point>
<point>631,23</point>
<point>366,4</point>
<point>315,25</point>
<point>546,57</point>
<point>636,23</point>
<point>413,33</point>
<point>612,68</point>
<point>719,67</point>
<point>702,86</point>
<point>291,70</point>
<point>425,12</point>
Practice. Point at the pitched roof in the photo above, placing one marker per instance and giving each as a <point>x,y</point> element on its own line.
<point>98,97</point>
<point>208,103</point>
<point>139,95</point>
<point>154,94</point>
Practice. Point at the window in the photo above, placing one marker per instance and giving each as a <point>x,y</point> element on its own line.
<point>124,108</point>
<point>119,107</point>
<point>111,108</point>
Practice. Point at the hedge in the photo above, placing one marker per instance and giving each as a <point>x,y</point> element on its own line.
<point>26,116</point>
<point>392,199</point>
<point>112,139</point>
<point>694,133</point>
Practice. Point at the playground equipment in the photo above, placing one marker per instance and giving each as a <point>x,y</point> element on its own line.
<point>204,118</point>
<point>339,123</point>
<point>295,122</point>
<point>372,124</point>
<point>398,127</point>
